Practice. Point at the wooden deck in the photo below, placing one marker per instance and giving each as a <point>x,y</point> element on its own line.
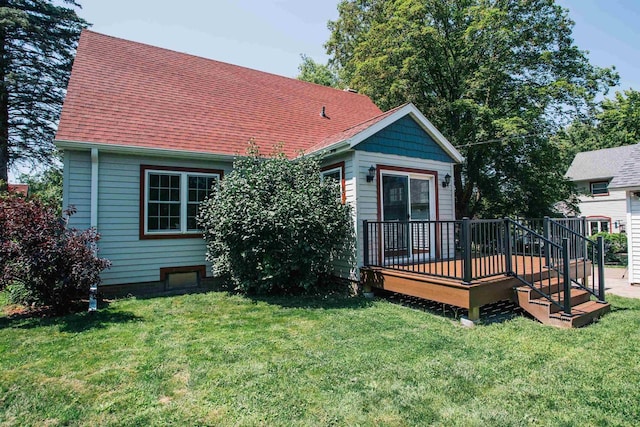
<point>420,280</point>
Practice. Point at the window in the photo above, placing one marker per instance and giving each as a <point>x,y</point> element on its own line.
<point>598,225</point>
<point>170,199</point>
<point>336,173</point>
<point>600,188</point>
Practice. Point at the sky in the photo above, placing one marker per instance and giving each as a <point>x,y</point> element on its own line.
<point>270,35</point>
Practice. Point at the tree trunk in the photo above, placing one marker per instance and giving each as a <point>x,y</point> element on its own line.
<point>4,114</point>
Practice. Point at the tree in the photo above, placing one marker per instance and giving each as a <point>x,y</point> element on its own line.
<point>46,185</point>
<point>314,72</point>
<point>37,45</point>
<point>274,226</point>
<point>497,77</point>
<point>613,123</point>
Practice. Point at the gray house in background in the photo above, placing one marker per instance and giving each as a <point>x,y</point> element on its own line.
<point>610,182</point>
<point>593,172</point>
<point>627,180</point>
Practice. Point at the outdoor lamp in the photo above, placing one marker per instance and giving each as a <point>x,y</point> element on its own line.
<point>372,173</point>
<point>447,181</point>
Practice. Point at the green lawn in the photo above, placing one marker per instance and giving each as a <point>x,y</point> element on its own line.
<point>220,359</point>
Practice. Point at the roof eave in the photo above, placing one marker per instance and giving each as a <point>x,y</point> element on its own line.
<point>142,151</point>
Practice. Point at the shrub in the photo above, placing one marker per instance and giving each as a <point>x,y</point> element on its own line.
<point>614,245</point>
<point>273,226</point>
<point>42,261</point>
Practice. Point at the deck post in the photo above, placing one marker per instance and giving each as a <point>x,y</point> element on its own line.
<point>507,247</point>
<point>466,255</point>
<point>566,272</point>
<point>600,269</point>
<point>547,248</point>
<point>474,313</point>
<point>365,242</point>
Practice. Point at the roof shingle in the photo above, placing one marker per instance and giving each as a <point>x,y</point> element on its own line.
<point>598,164</point>
<point>629,174</point>
<point>127,93</point>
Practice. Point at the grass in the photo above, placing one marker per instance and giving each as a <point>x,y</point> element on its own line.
<point>220,359</point>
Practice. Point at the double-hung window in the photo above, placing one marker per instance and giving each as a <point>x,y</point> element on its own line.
<point>171,198</point>
<point>336,174</point>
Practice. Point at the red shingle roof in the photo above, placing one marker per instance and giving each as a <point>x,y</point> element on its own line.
<point>127,93</point>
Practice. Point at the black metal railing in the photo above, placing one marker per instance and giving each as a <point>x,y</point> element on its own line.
<point>533,250</point>
<point>581,247</point>
<point>542,264</point>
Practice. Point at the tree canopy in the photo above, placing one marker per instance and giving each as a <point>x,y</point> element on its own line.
<point>497,77</point>
<point>38,39</point>
<point>613,123</point>
<point>314,72</point>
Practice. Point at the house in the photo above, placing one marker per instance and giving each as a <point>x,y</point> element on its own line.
<point>604,207</point>
<point>627,181</point>
<point>18,189</point>
<point>147,131</point>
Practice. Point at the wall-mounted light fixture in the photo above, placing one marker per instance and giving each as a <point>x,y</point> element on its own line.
<point>447,181</point>
<point>372,173</point>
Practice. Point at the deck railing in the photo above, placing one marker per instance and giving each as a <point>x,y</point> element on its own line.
<point>581,248</point>
<point>470,250</point>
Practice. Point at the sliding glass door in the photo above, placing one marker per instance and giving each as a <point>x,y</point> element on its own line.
<point>407,201</point>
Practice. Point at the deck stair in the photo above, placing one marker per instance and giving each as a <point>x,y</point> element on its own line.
<point>584,310</point>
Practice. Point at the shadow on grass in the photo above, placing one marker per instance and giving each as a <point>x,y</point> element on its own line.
<point>498,312</point>
<point>75,322</point>
<point>333,302</point>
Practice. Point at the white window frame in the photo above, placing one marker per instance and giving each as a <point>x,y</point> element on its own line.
<point>340,182</point>
<point>184,197</point>
<point>331,171</point>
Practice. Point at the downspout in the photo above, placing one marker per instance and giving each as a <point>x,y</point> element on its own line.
<point>94,187</point>
<point>93,290</point>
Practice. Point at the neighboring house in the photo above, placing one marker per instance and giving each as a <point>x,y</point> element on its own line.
<point>604,207</point>
<point>147,131</point>
<point>19,189</point>
<point>627,180</point>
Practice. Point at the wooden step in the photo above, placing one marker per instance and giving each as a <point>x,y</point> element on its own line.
<point>581,314</point>
<point>577,296</point>
<point>583,310</point>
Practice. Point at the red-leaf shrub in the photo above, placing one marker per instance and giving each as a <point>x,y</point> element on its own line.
<point>42,261</point>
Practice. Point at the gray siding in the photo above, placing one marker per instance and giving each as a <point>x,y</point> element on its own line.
<point>133,260</point>
<point>77,187</point>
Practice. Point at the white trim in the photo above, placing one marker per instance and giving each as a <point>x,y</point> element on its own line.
<point>184,200</point>
<point>94,187</point>
<point>143,151</point>
<point>630,247</point>
<point>333,170</point>
<point>66,179</point>
<point>426,125</point>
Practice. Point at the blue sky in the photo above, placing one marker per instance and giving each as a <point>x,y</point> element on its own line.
<point>270,35</point>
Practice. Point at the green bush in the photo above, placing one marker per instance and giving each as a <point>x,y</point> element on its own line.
<point>614,245</point>
<point>273,226</point>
